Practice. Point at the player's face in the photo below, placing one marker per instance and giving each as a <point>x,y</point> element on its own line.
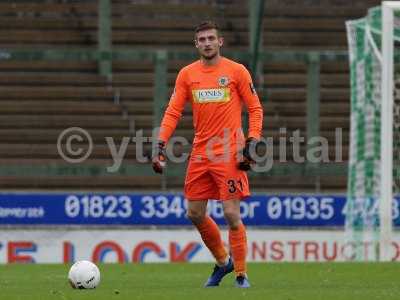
<point>208,43</point>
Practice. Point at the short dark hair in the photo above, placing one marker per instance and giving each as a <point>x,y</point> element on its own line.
<point>206,25</point>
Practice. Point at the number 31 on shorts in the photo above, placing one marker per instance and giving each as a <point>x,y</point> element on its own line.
<point>233,185</point>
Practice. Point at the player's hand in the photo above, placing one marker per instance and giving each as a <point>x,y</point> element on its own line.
<point>159,160</point>
<point>249,149</point>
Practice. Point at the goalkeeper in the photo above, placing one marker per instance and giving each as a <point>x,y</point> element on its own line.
<point>216,87</point>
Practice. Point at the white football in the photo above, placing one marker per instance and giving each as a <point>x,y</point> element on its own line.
<point>84,275</point>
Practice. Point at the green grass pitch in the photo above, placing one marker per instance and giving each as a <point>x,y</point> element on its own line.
<point>286,281</point>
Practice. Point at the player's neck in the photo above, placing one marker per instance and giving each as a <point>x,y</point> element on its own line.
<point>211,62</point>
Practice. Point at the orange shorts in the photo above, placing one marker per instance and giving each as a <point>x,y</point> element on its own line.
<point>219,180</point>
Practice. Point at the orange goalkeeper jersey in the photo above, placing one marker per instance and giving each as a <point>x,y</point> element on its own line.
<point>216,94</point>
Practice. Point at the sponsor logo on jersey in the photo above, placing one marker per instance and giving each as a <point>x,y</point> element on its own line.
<point>223,81</point>
<point>211,95</point>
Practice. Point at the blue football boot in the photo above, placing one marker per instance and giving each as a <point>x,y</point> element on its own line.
<point>242,282</point>
<point>219,273</point>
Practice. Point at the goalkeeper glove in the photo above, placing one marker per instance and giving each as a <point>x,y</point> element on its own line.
<point>159,160</point>
<point>249,149</point>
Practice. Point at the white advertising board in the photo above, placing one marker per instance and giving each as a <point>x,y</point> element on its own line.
<point>111,246</point>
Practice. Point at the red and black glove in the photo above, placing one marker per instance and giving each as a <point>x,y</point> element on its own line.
<point>247,153</point>
<point>159,159</point>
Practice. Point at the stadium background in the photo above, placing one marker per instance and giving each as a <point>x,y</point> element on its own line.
<point>108,67</point>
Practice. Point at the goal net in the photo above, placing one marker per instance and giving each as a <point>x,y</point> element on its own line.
<point>374,169</point>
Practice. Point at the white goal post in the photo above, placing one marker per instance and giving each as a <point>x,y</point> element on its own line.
<point>386,182</point>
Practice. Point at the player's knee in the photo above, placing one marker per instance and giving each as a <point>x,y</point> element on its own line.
<point>195,216</point>
<point>232,219</point>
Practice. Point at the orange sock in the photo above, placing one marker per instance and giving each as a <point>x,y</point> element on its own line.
<point>238,244</point>
<point>211,236</point>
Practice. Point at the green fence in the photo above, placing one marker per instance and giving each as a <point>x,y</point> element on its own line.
<point>105,54</point>
<point>159,59</point>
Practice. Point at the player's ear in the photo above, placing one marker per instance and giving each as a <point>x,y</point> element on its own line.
<point>220,41</point>
<point>196,43</point>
